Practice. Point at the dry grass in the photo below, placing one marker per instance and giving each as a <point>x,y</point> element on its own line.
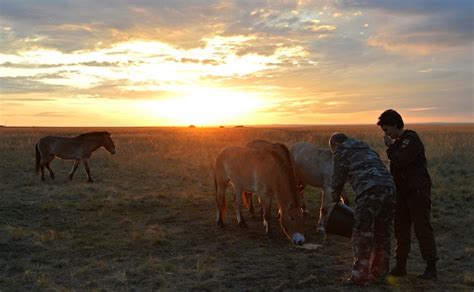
<point>147,223</point>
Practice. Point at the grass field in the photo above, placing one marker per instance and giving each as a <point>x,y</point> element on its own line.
<point>148,221</point>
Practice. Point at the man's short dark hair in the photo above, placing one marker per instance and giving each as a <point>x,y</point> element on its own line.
<point>391,118</point>
<point>338,138</point>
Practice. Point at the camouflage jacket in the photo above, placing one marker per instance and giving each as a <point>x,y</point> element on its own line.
<point>355,160</point>
<point>408,162</point>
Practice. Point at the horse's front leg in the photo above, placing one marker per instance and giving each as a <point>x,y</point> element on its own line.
<point>266,202</point>
<point>247,197</point>
<point>86,165</point>
<point>237,206</point>
<point>51,172</point>
<point>251,209</point>
<point>74,167</point>
<point>326,201</point>
<point>221,208</point>
<point>42,170</point>
<point>300,189</point>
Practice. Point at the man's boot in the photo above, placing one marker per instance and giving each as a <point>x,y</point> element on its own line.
<point>400,269</point>
<point>430,271</point>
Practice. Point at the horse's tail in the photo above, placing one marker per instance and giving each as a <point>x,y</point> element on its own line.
<point>38,158</point>
<point>220,200</point>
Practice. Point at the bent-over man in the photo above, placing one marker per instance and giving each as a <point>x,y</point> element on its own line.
<point>374,204</point>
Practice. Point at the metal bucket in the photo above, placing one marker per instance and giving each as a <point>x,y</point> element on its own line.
<point>341,220</point>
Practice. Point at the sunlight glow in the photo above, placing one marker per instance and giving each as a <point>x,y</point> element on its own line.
<point>205,107</point>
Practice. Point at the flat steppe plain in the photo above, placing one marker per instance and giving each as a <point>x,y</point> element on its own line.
<point>148,220</point>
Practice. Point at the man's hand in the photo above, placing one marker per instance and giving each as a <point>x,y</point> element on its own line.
<point>387,140</point>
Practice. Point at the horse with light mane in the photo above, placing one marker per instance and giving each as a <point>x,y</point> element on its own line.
<point>313,166</point>
<point>264,173</point>
<point>283,153</point>
<point>78,148</point>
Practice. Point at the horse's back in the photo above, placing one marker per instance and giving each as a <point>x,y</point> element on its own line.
<point>279,150</point>
<point>243,158</point>
<point>313,165</point>
<point>247,168</point>
<point>259,144</point>
<point>62,147</point>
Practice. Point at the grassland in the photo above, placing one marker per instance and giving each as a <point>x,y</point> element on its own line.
<point>147,223</point>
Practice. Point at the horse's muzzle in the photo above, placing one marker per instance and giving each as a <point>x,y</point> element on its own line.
<point>298,238</point>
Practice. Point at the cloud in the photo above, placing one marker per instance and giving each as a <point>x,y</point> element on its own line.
<point>18,85</point>
<point>419,27</point>
<point>306,56</point>
<point>147,66</point>
<point>55,114</point>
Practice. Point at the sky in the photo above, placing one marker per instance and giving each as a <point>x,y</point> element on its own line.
<point>175,63</point>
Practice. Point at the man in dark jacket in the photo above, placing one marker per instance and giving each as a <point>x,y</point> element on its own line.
<point>413,205</point>
<point>374,203</point>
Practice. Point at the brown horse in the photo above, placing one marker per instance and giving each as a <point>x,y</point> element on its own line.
<point>288,160</point>
<point>79,149</point>
<point>264,173</point>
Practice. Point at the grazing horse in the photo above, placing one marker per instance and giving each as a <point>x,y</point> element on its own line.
<point>283,153</point>
<point>78,149</point>
<point>313,166</point>
<point>264,173</point>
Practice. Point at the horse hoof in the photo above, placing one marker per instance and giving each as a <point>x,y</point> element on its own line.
<point>42,179</point>
<point>52,176</point>
<point>90,180</point>
<point>220,224</point>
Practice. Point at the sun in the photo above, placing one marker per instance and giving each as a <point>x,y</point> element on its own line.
<point>207,107</point>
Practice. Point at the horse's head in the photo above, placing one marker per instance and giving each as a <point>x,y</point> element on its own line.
<point>108,143</point>
<point>292,223</point>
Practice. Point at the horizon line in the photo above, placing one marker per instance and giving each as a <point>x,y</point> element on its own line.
<point>234,125</point>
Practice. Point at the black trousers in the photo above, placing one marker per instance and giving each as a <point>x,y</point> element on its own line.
<point>413,207</point>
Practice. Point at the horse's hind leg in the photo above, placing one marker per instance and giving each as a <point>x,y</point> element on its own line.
<point>238,205</point>
<point>74,167</point>
<point>86,165</point>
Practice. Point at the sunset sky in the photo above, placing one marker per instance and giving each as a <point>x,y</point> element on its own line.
<point>177,62</point>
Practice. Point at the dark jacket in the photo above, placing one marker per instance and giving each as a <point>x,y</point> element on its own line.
<point>355,160</point>
<point>408,162</point>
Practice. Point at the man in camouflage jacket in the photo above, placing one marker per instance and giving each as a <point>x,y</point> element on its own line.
<point>413,207</point>
<point>374,205</point>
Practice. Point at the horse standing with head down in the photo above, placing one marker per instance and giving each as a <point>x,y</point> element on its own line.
<point>264,173</point>
<point>283,153</point>
<point>313,166</point>
<point>78,148</point>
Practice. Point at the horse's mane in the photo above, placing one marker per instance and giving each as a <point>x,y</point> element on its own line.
<point>93,134</point>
